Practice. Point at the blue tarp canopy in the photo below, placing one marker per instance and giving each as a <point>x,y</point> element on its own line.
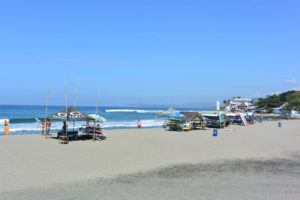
<point>176,115</point>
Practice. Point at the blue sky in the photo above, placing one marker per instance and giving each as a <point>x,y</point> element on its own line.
<point>152,52</point>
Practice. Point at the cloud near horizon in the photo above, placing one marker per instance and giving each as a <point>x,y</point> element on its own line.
<point>291,81</point>
<point>257,94</point>
<point>297,88</point>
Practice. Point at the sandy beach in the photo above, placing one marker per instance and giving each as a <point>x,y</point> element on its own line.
<point>253,162</point>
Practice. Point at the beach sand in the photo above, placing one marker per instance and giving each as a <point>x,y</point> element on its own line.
<point>255,162</point>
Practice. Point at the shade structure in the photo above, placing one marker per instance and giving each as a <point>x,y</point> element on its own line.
<point>73,115</point>
<point>177,115</point>
<point>98,118</point>
<point>166,112</point>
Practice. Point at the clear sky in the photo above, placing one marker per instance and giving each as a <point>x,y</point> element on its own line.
<point>152,52</point>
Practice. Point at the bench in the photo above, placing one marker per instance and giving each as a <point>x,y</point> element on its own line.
<point>63,139</point>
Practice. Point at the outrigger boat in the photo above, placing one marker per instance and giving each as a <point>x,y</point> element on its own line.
<point>214,120</point>
<point>244,118</point>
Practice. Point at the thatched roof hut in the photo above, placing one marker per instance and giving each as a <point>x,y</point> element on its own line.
<point>192,116</point>
<point>166,112</point>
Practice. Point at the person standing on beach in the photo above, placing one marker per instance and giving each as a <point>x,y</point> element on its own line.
<point>48,126</point>
<point>65,127</point>
<point>43,127</point>
<point>139,124</point>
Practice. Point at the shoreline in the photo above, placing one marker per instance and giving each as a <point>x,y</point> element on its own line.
<point>31,161</point>
<point>37,132</point>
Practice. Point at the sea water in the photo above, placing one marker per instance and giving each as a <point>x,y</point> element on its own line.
<point>25,119</point>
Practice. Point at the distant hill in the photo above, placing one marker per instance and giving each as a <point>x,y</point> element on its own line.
<point>290,100</point>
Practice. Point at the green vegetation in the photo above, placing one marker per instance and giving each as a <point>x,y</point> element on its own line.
<point>227,102</point>
<point>290,100</point>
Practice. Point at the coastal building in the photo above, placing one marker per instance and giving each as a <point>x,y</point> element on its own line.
<point>246,101</point>
<point>240,104</point>
<point>278,110</point>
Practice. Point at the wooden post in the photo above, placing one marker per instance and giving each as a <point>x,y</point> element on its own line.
<point>76,93</point>
<point>96,113</point>
<point>46,134</point>
<point>75,103</point>
<point>66,108</point>
<point>220,119</point>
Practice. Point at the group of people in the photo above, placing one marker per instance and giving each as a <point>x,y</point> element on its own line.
<point>91,128</point>
<point>45,124</point>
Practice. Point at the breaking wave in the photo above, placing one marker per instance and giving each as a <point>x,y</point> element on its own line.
<point>133,110</point>
<point>35,128</point>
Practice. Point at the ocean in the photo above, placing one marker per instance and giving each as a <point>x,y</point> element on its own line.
<point>23,119</point>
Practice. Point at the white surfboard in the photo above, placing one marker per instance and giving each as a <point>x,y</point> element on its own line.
<point>37,120</point>
<point>244,119</point>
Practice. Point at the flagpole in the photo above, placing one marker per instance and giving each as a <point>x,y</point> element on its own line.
<point>96,112</point>
<point>47,110</point>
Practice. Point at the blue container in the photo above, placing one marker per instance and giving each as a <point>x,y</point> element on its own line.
<point>215,132</point>
<point>279,124</point>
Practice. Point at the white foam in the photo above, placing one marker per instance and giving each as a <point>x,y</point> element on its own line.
<point>56,126</point>
<point>131,124</point>
<point>3,120</point>
<point>133,110</point>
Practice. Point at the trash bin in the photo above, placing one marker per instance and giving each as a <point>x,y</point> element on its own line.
<point>279,124</point>
<point>215,132</point>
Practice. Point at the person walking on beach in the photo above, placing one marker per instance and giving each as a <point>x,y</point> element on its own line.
<point>43,127</point>
<point>48,126</point>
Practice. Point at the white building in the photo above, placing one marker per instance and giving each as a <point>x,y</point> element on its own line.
<point>237,104</point>
<point>238,101</point>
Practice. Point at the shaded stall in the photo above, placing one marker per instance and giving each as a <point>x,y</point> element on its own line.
<point>164,113</point>
<point>69,114</point>
<point>175,123</point>
<point>95,130</point>
<point>194,118</point>
<point>177,115</point>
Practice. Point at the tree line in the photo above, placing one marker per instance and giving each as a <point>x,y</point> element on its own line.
<point>289,100</point>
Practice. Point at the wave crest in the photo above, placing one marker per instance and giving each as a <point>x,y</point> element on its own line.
<point>133,110</point>
<point>56,126</point>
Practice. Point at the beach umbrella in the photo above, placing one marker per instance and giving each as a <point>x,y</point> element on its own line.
<point>166,112</point>
<point>98,118</point>
<point>177,115</point>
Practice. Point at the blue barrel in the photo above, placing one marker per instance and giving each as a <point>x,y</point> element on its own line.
<point>215,132</point>
<point>279,124</point>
